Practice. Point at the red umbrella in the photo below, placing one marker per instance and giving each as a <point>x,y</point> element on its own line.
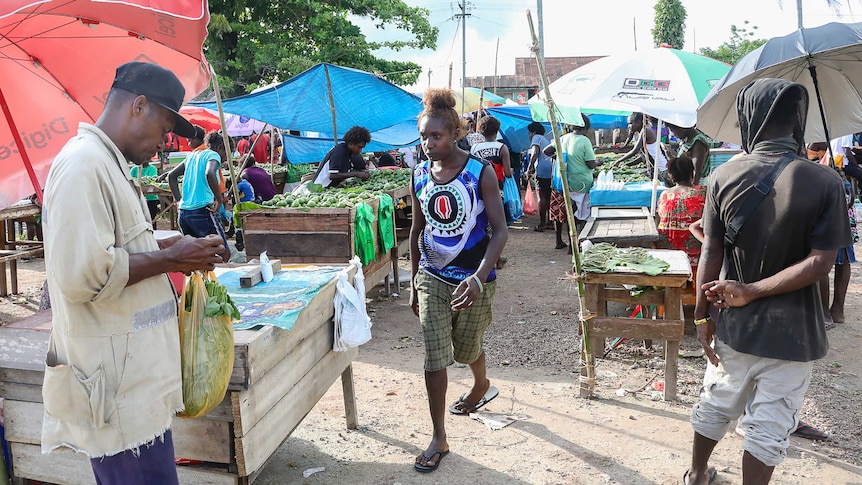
<point>57,62</point>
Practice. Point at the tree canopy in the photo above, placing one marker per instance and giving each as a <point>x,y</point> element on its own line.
<point>669,25</point>
<point>741,42</point>
<point>253,42</point>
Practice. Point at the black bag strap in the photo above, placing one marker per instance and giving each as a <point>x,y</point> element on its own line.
<point>755,197</point>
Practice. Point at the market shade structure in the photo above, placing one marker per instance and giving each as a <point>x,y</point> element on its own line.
<point>515,118</point>
<point>58,59</point>
<point>668,84</point>
<point>831,52</point>
<point>237,125</point>
<point>472,98</point>
<point>302,103</point>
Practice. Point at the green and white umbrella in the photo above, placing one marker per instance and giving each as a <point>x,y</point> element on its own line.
<point>668,84</point>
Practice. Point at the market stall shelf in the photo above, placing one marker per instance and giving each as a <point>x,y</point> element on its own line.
<point>277,379</point>
<point>316,235</point>
<point>622,226</point>
<point>604,287</point>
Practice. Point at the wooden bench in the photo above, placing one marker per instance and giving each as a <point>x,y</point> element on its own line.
<point>11,257</point>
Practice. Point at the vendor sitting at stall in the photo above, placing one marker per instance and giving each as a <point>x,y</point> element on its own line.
<point>695,145</point>
<point>259,179</point>
<point>344,160</point>
<point>636,124</point>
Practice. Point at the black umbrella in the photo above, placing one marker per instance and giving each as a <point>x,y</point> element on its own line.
<point>827,60</point>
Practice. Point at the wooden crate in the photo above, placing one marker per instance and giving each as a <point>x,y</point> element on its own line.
<point>278,377</point>
<point>623,226</point>
<point>316,235</point>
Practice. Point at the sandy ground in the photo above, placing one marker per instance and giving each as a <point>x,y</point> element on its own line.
<point>532,350</point>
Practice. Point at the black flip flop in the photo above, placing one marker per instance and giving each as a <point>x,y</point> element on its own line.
<point>711,472</point>
<point>428,469</point>
<point>471,407</point>
<point>805,430</point>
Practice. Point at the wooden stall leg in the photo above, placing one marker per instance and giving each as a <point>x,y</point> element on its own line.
<point>3,291</point>
<point>591,297</point>
<point>13,275</point>
<point>671,351</point>
<point>349,397</point>
<point>393,253</point>
<point>10,235</point>
<point>673,311</point>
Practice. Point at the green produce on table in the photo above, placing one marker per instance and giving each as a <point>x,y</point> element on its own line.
<point>346,195</point>
<point>603,257</point>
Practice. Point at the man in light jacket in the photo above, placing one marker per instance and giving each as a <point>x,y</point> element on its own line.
<point>112,373</point>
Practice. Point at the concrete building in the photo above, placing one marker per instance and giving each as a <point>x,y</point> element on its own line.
<point>525,82</point>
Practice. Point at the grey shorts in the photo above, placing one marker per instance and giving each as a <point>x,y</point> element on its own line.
<point>449,335</point>
<point>770,391</point>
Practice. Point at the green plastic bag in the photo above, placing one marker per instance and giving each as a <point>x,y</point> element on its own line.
<point>363,228</point>
<point>385,223</point>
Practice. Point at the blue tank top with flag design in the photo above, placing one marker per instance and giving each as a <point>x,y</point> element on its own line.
<point>456,225</point>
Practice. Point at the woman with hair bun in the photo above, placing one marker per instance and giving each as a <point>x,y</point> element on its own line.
<point>456,200</point>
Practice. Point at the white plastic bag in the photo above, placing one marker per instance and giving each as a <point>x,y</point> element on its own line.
<point>352,324</point>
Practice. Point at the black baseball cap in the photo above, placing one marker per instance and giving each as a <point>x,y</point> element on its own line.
<point>160,86</point>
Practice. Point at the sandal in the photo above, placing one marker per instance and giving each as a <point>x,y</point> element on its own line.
<point>805,430</point>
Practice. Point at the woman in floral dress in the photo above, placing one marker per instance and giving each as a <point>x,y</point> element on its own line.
<point>678,208</point>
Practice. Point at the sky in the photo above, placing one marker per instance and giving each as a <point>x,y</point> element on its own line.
<point>584,28</point>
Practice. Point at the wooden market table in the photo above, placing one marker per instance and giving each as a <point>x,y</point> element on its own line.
<point>622,226</point>
<point>23,212</point>
<point>601,288</point>
<point>167,204</point>
<point>277,379</point>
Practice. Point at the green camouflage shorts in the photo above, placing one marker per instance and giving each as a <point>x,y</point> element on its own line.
<point>449,335</point>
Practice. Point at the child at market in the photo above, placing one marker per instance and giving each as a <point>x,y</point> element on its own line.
<point>455,200</point>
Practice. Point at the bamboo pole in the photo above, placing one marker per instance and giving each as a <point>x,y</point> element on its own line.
<point>331,104</point>
<point>587,358</point>
<point>228,149</point>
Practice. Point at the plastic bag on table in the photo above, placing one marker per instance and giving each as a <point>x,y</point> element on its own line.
<point>206,343</point>
<point>512,200</point>
<point>352,324</point>
<point>530,206</point>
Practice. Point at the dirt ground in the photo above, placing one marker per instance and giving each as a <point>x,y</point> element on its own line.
<point>532,350</point>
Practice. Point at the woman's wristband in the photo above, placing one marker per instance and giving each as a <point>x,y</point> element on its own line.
<point>701,321</point>
<point>478,282</point>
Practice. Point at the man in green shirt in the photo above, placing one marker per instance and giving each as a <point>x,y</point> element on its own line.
<point>148,170</point>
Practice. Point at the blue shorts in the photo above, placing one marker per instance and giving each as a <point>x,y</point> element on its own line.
<point>846,252</point>
<point>201,223</point>
<point>144,465</point>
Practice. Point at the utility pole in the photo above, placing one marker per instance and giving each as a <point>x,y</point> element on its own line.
<point>450,75</point>
<point>463,17</point>
<point>635,31</point>
<point>429,78</point>
<point>496,55</point>
<point>799,13</point>
<point>541,29</point>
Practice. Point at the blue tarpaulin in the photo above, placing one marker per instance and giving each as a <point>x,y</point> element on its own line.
<point>514,121</point>
<point>302,104</point>
<point>304,149</point>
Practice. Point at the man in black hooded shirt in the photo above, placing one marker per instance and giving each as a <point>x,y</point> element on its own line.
<point>770,325</point>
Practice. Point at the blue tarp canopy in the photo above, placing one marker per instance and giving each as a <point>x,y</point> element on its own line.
<point>302,104</point>
<point>514,121</point>
<point>306,149</point>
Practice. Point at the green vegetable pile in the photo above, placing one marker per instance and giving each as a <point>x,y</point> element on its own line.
<point>623,172</point>
<point>603,257</point>
<point>344,196</point>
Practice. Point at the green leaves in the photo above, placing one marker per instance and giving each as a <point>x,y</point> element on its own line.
<point>741,42</point>
<point>669,23</point>
<point>254,42</point>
